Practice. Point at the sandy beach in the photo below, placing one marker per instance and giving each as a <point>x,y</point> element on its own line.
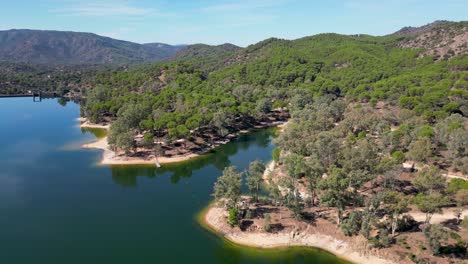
<point>215,219</point>
<point>110,157</point>
<point>86,123</point>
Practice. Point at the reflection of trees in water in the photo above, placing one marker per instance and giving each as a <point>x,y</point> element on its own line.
<point>228,253</point>
<point>127,175</point>
<point>62,101</point>
<point>97,132</point>
<point>233,254</point>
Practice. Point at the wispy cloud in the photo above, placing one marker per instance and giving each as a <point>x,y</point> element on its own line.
<point>103,9</point>
<point>244,12</point>
<point>117,33</point>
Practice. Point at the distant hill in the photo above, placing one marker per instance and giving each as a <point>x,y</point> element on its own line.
<point>67,48</point>
<point>421,29</point>
<point>441,39</point>
<point>206,55</point>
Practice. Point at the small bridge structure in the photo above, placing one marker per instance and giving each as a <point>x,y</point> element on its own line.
<point>36,94</point>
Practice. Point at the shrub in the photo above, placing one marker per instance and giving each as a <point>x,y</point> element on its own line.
<point>462,197</point>
<point>406,223</point>
<point>249,214</point>
<point>352,225</point>
<point>382,240</point>
<point>267,223</point>
<point>361,135</point>
<point>399,156</point>
<point>464,222</point>
<point>457,184</point>
<point>276,154</point>
<point>434,235</point>
<point>233,218</point>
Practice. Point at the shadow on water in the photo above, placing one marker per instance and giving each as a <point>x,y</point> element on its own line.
<point>126,175</point>
<point>60,207</point>
<point>99,133</point>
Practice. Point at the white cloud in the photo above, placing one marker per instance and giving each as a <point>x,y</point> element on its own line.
<point>118,33</point>
<point>244,13</point>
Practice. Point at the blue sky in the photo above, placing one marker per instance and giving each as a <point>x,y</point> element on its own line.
<point>241,22</point>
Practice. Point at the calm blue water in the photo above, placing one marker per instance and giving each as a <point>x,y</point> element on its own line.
<point>58,206</point>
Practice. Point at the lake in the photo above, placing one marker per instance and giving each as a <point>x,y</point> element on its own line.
<point>58,206</point>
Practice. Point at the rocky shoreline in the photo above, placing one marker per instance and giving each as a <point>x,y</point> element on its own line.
<point>214,219</point>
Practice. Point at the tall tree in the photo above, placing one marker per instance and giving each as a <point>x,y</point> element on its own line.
<point>228,187</point>
<point>254,177</point>
<point>313,173</point>
<point>430,204</point>
<point>335,191</point>
<point>430,180</point>
<point>395,204</point>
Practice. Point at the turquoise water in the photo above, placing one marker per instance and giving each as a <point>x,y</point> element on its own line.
<point>58,206</point>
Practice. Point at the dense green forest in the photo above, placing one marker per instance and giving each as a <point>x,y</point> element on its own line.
<point>18,78</point>
<point>358,106</point>
<point>177,97</point>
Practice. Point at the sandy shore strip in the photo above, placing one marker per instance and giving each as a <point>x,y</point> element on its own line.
<point>215,219</point>
<point>86,123</point>
<point>110,157</point>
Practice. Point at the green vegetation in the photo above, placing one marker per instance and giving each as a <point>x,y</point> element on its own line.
<point>360,106</point>
<point>254,177</point>
<point>228,187</point>
<point>179,99</point>
<point>19,78</point>
<point>233,217</point>
<point>276,154</point>
<point>435,234</point>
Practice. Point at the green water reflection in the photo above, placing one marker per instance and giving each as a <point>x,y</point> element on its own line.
<point>57,206</point>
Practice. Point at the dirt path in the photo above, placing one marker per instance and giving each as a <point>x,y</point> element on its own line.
<point>447,214</point>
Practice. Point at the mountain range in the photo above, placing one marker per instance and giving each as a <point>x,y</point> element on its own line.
<point>68,48</point>
<point>78,48</point>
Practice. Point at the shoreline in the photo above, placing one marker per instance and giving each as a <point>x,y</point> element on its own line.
<point>213,219</point>
<point>110,157</point>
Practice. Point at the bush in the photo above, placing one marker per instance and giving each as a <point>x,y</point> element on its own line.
<point>382,240</point>
<point>276,154</point>
<point>148,139</point>
<point>457,184</point>
<point>361,135</point>
<point>267,223</point>
<point>406,223</point>
<point>233,218</point>
<point>249,214</point>
<point>399,156</point>
<point>435,234</point>
<point>352,225</point>
<point>464,222</point>
<point>462,197</point>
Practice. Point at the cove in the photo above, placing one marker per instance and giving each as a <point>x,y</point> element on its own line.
<point>57,206</point>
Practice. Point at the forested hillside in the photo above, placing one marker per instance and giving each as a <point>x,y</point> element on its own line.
<point>76,48</point>
<point>168,98</point>
<point>376,143</point>
<point>19,78</point>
